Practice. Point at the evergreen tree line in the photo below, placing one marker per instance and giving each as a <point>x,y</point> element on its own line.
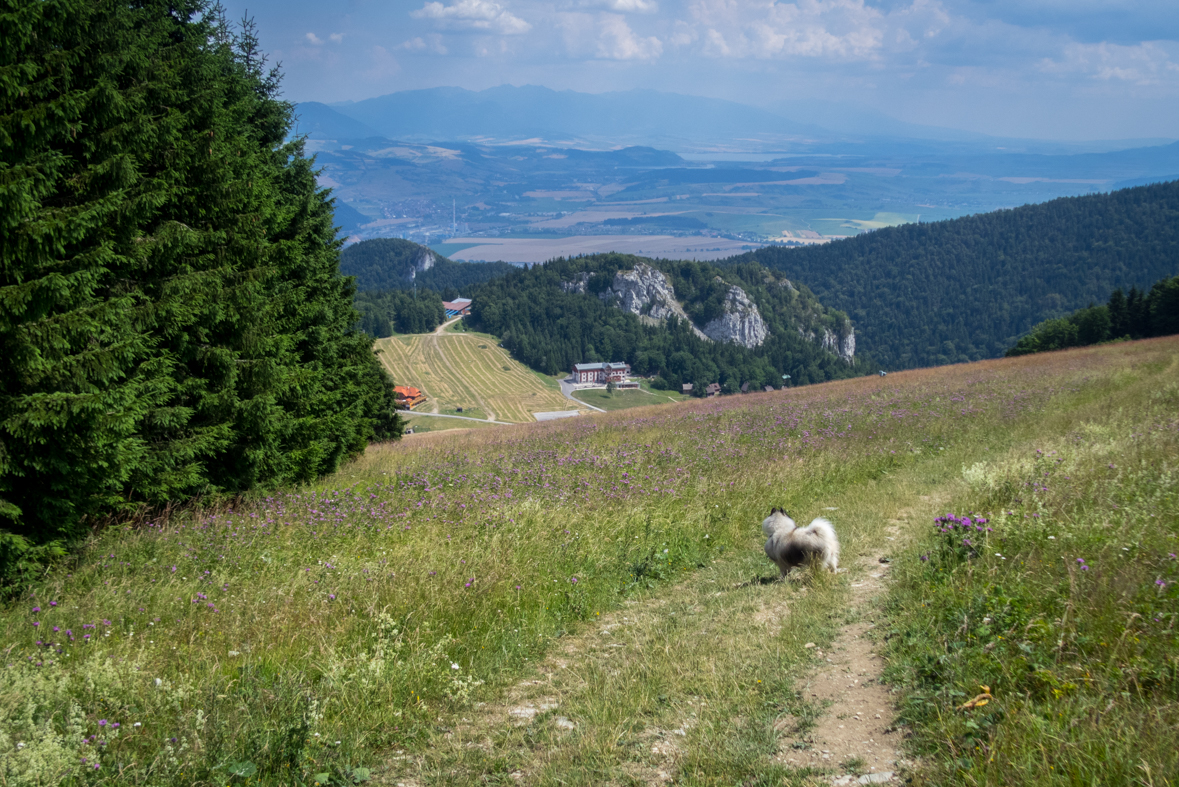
<point>550,329</point>
<point>172,317</point>
<point>1137,315</point>
<point>391,264</point>
<point>968,288</point>
<point>385,312</point>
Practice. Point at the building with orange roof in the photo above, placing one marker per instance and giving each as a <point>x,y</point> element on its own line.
<point>407,396</point>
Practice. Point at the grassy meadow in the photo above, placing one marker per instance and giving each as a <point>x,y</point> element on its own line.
<point>470,371</point>
<point>627,398</point>
<point>370,627</point>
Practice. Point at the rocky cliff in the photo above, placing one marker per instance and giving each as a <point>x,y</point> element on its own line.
<point>422,263</point>
<point>741,322</point>
<point>648,293</point>
<point>842,344</point>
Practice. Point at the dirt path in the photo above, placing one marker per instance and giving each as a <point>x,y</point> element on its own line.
<point>441,329</point>
<point>710,680</point>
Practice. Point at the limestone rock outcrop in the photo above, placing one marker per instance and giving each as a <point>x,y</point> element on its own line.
<point>424,262</point>
<point>646,292</point>
<point>741,322</point>
<point>578,285</point>
<point>842,344</point>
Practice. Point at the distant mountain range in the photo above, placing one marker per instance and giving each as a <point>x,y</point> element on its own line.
<point>644,117</point>
<point>505,113</point>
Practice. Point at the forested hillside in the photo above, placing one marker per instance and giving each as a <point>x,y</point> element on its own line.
<point>172,318</point>
<point>547,324</point>
<point>383,312</point>
<point>1136,315</point>
<point>965,289</point>
<point>393,263</point>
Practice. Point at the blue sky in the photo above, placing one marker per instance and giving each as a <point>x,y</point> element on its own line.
<point>1051,69</point>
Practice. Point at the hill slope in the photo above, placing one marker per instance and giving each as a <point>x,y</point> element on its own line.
<point>687,322</point>
<point>469,371</point>
<point>965,289</point>
<point>396,264</point>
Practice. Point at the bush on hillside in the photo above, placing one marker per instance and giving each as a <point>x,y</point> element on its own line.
<point>172,318</point>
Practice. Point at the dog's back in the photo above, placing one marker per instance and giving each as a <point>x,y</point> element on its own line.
<point>790,546</point>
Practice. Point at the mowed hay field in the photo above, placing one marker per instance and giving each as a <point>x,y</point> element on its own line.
<point>469,371</point>
<point>380,625</point>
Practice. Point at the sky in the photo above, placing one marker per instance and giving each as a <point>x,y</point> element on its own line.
<point>1040,69</point>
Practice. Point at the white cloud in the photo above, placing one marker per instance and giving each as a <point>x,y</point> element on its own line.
<point>1147,63</point>
<point>847,30</point>
<point>633,6</point>
<point>314,40</point>
<point>473,15</point>
<point>431,43</point>
<point>616,41</point>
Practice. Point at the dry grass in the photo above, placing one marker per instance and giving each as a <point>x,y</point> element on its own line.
<point>469,371</point>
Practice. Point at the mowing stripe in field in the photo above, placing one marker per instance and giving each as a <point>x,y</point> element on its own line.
<point>458,370</point>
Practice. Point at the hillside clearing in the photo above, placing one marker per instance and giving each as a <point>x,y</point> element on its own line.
<point>469,371</point>
<point>584,602</point>
<point>626,398</point>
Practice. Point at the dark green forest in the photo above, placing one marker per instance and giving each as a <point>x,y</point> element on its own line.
<point>385,312</point>
<point>550,329</point>
<point>1136,315</point>
<point>172,317</point>
<point>393,264</point>
<point>968,288</point>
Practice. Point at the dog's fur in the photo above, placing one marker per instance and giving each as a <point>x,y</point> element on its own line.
<point>790,546</point>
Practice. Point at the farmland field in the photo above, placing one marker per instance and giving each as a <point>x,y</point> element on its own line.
<point>585,602</point>
<point>469,371</point>
<point>510,249</point>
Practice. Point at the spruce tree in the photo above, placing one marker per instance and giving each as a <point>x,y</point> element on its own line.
<point>172,319</point>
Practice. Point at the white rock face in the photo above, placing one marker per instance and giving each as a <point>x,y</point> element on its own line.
<point>847,348</point>
<point>423,263</point>
<point>578,285</point>
<point>740,324</point>
<point>842,344</point>
<point>646,292</point>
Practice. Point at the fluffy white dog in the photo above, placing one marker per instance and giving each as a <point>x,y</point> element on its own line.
<point>790,546</point>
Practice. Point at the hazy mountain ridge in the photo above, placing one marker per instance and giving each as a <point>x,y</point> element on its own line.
<point>967,288</point>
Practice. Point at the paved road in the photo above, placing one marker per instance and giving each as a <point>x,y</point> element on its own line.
<point>465,418</point>
<point>568,389</point>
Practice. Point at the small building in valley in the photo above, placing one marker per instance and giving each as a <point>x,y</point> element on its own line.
<point>713,389</point>
<point>459,307</point>
<point>601,373</point>
<point>407,396</point>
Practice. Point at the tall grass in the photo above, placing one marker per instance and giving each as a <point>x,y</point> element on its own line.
<point>301,636</point>
<point>1065,603</point>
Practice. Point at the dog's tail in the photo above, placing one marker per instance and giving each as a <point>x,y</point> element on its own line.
<point>825,531</point>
